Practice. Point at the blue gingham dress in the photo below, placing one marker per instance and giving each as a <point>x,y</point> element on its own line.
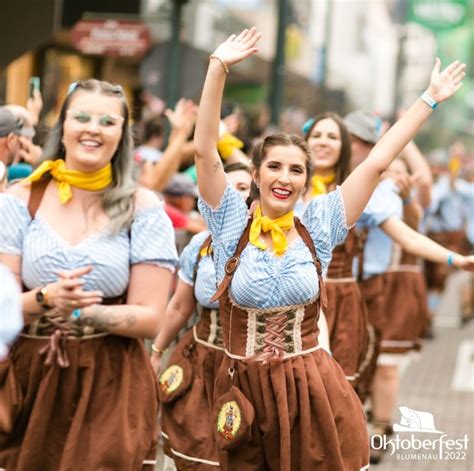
<point>44,251</point>
<point>205,286</point>
<point>264,280</point>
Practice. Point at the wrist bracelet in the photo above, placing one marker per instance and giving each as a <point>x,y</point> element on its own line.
<point>76,314</point>
<point>450,259</point>
<point>157,350</point>
<point>406,201</point>
<point>431,102</point>
<point>221,61</point>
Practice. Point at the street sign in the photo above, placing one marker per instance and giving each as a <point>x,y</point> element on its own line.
<point>111,37</point>
<point>438,14</point>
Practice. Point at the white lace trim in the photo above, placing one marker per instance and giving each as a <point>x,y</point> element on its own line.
<point>251,334</point>
<point>299,316</point>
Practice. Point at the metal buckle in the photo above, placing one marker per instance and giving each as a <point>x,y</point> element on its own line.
<point>231,265</point>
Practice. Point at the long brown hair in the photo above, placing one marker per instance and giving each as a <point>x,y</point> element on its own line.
<point>343,163</point>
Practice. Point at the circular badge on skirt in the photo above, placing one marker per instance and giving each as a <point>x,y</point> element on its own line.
<point>234,415</point>
<point>228,420</point>
<point>171,379</point>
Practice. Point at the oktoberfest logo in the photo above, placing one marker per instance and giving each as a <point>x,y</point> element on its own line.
<point>171,379</point>
<point>228,420</point>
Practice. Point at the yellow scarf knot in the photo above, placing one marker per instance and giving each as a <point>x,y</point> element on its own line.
<point>320,184</point>
<point>227,144</point>
<point>275,226</point>
<point>92,181</point>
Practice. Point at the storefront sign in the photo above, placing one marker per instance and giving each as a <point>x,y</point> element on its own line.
<point>438,14</point>
<point>111,37</point>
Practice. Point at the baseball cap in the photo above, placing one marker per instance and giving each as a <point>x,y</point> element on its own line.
<point>180,185</point>
<point>9,123</point>
<point>364,125</point>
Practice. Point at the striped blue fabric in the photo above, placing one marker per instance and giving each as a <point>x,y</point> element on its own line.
<point>262,279</point>
<point>383,204</point>
<point>205,286</point>
<point>11,316</point>
<point>44,251</point>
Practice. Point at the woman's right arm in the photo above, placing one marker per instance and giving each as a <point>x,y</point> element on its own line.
<point>60,294</point>
<point>178,311</point>
<point>211,177</point>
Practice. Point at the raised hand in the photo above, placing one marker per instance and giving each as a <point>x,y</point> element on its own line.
<point>183,116</point>
<point>445,84</point>
<point>237,48</point>
<point>465,263</point>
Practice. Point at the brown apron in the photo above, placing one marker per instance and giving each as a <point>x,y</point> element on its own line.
<point>186,419</point>
<point>346,313</point>
<point>81,400</point>
<point>287,402</point>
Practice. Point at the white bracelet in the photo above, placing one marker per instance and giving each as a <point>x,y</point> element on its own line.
<point>431,102</point>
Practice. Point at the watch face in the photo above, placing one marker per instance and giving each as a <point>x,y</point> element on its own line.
<point>40,298</point>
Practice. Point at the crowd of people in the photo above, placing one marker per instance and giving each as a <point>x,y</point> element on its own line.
<point>282,272</point>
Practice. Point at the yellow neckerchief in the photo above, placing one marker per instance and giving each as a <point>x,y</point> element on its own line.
<point>276,226</point>
<point>227,144</point>
<point>205,251</point>
<point>320,184</point>
<point>93,181</point>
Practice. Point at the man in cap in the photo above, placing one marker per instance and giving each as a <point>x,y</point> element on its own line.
<point>180,200</point>
<point>10,130</point>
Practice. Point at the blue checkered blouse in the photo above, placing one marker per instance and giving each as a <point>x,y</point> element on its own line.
<point>263,279</point>
<point>205,286</point>
<point>44,251</point>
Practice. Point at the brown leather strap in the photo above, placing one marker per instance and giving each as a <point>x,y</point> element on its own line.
<point>361,238</point>
<point>206,245</point>
<point>308,240</point>
<point>233,262</point>
<point>36,195</point>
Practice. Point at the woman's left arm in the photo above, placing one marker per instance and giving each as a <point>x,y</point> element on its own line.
<point>422,246</point>
<point>148,294</point>
<point>360,184</point>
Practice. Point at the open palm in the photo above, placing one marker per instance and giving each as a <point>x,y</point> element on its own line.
<point>237,48</point>
<point>447,83</point>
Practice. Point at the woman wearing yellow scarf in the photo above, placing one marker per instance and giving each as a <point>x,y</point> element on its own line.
<point>96,256</point>
<point>275,383</point>
<point>330,144</point>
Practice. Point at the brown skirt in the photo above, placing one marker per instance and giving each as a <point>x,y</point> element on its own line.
<point>373,295</point>
<point>405,311</point>
<point>346,316</point>
<point>186,422</point>
<point>97,414</point>
<point>437,273</point>
<point>307,416</point>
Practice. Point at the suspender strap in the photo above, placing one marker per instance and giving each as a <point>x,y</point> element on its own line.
<point>36,195</point>
<point>361,237</point>
<point>233,262</point>
<point>307,239</point>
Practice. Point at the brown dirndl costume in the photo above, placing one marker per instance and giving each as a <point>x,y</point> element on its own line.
<point>406,310</point>
<point>436,273</point>
<point>186,412</point>
<point>346,313</point>
<point>74,398</point>
<point>281,402</point>
<point>372,291</point>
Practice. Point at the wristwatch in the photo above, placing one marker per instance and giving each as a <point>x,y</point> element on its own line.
<point>42,298</point>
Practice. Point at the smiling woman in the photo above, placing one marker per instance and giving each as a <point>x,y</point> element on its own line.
<point>276,382</point>
<point>95,256</point>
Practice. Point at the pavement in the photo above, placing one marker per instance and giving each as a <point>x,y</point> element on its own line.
<point>440,381</point>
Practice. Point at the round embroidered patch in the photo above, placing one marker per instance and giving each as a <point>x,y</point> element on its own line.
<point>228,420</point>
<point>171,379</point>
